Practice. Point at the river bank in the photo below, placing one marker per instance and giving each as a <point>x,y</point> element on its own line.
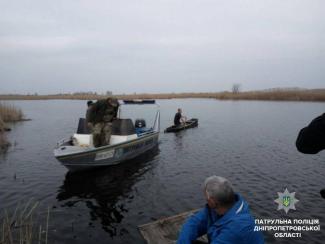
<point>313,95</point>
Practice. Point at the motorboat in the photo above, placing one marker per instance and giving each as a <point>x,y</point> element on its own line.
<point>128,140</point>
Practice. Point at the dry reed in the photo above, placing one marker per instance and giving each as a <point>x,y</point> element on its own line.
<point>21,227</point>
<point>9,113</point>
<point>4,144</point>
<point>2,125</point>
<point>275,95</point>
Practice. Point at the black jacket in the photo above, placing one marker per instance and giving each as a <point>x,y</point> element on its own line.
<point>177,118</point>
<point>311,139</point>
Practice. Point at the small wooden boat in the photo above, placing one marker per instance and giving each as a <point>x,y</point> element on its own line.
<point>188,124</point>
<point>166,230</point>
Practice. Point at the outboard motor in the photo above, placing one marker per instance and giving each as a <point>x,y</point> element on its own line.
<point>140,123</point>
<point>122,130</point>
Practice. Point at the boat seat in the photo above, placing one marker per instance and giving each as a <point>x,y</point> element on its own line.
<point>82,127</point>
<point>122,130</point>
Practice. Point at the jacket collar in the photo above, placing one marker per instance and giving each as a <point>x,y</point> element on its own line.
<point>239,207</point>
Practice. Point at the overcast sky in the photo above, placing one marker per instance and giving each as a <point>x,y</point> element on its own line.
<point>160,45</point>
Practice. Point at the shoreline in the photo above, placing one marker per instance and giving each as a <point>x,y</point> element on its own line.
<point>313,95</point>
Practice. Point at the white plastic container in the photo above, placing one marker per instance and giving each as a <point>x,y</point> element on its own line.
<point>83,140</point>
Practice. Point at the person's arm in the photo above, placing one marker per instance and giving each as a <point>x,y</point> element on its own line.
<point>183,119</point>
<point>91,114</point>
<point>194,227</point>
<point>311,139</point>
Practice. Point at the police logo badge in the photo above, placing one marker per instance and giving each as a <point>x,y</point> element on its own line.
<point>286,201</point>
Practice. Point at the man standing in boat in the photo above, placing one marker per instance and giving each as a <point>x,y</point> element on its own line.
<point>225,218</point>
<point>179,118</point>
<point>110,114</point>
<point>100,118</point>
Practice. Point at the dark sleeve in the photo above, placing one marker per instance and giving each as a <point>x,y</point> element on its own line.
<point>99,110</point>
<point>311,139</point>
<point>90,115</point>
<point>177,118</point>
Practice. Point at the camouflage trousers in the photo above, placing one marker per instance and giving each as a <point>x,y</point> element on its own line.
<point>106,135</point>
<point>101,134</point>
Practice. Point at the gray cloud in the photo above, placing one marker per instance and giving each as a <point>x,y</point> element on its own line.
<point>160,46</point>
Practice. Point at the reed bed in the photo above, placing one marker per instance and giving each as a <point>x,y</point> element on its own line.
<point>21,227</point>
<point>2,125</point>
<point>271,95</point>
<point>9,113</point>
<point>278,95</point>
<point>4,144</point>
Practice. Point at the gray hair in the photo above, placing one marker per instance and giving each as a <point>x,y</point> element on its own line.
<point>220,190</point>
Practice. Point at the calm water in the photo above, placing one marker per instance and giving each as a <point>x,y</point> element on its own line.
<point>250,143</point>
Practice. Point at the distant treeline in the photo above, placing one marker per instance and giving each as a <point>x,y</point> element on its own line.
<point>270,94</point>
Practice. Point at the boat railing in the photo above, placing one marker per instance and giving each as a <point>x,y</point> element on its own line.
<point>156,125</point>
<point>147,132</point>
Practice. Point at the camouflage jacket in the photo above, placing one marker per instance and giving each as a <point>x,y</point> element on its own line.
<point>101,111</point>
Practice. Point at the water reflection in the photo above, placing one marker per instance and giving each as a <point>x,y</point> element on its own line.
<point>178,139</point>
<point>101,189</point>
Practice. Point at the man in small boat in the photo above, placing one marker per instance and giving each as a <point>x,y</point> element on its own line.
<point>99,119</point>
<point>179,118</point>
<point>225,218</point>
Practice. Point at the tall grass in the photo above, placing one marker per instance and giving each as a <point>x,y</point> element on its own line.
<point>20,227</point>
<point>2,125</point>
<point>9,113</point>
<point>4,144</point>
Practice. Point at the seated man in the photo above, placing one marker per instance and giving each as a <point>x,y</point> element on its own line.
<point>178,119</point>
<point>225,219</point>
